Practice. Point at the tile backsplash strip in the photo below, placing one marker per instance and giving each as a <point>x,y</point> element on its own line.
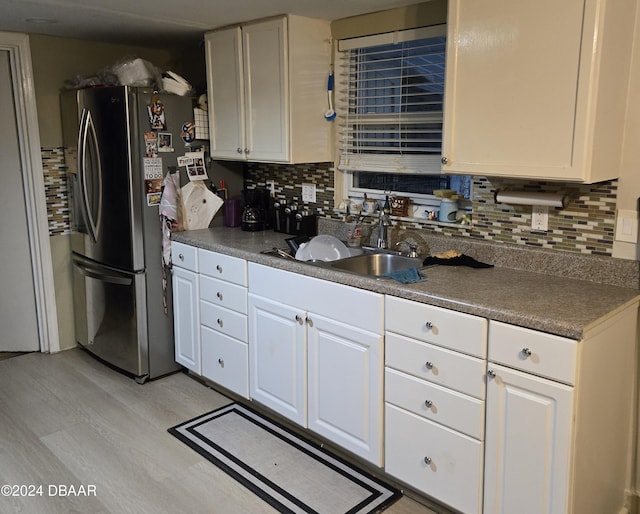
<point>56,191</point>
<point>585,225</point>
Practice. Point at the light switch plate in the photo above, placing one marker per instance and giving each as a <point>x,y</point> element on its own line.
<point>309,193</point>
<point>627,226</point>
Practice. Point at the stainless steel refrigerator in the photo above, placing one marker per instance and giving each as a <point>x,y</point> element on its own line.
<point>119,301</point>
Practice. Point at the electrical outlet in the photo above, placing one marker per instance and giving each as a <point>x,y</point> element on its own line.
<point>271,185</point>
<point>540,218</point>
<point>309,193</point>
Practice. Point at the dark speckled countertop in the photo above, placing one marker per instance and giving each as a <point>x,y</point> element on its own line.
<point>567,307</point>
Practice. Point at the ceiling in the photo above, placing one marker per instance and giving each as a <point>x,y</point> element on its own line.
<point>163,22</point>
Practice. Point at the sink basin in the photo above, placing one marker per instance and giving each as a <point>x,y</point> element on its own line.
<point>376,264</point>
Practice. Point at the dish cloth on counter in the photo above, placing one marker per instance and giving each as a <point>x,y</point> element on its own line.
<point>406,276</point>
<point>460,260</point>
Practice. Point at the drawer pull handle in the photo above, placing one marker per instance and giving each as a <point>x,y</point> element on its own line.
<point>181,257</point>
<point>427,460</point>
<point>428,403</point>
<point>221,362</point>
<point>219,268</point>
<point>220,322</point>
<point>429,325</point>
<point>299,319</point>
<point>491,373</point>
<point>219,295</point>
<point>428,365</point>
<point>526,352</point>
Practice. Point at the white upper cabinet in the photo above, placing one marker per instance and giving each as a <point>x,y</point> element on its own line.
<point>537,89</point>
<point>267,90</point>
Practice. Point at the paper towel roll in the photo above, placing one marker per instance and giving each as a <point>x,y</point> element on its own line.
<point>531,198</point>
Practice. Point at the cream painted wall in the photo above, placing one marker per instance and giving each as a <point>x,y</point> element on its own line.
<point>58,59</point>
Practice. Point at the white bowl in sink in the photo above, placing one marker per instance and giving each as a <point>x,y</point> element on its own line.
<point>323,248</point>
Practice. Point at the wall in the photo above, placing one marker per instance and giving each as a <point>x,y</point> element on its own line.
<point>56,60</point>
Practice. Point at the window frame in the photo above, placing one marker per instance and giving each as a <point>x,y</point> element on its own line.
<point>348,187</point>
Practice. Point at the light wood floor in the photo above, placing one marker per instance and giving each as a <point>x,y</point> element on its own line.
<point>66,419</point>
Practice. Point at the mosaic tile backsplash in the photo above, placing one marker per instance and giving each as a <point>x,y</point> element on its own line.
<point>57,191</point>
<point>585,225</point>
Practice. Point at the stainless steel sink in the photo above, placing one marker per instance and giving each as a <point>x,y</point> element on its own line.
<point>376,264</point>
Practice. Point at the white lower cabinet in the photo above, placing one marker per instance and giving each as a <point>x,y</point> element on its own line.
<point>278,357</point>
<point>529,429</point>
<point>558,430</point>
<point>319,363</point>
<point>186,315</point>
<point>435,362</point>
<point>434,459</point>
<point>223,320</point>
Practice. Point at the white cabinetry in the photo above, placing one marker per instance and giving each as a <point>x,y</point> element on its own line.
<point>316,359</point>
<point>534,95</point>
<point>186,317</point>
<point>434,401</point>
<point>223,320</point>
<point>558,419</point>
<point>267,90</point>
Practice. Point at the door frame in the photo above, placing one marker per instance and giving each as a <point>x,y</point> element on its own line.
<point>17,46</point>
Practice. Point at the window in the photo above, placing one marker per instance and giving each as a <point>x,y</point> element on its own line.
<point>390,95</point>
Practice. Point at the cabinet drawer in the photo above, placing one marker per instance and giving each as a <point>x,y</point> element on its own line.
<point>535,352</point>
<point>450,408</point>
<point>223,293</point>
<point>225,361</point>
<point>184,256</point>
<point>456,330</point>
<point>438,365</point>
<point>224,267</point>
<point>223,320</point>
<point>453,475</point>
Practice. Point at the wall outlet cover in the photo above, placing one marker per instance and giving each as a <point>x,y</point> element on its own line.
<point>540,218</point>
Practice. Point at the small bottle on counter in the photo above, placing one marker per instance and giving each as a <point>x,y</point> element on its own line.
<point>387,206</point>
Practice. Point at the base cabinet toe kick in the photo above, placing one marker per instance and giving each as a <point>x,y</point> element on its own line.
<point>479,415</point>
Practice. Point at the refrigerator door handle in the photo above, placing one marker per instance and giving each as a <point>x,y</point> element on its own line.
<point>87,136</point>
<point>102,274</point>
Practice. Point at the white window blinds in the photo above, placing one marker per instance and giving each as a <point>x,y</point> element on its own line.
<point>390,95</point>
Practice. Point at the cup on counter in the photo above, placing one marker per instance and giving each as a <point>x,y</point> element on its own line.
<point>232,212</point>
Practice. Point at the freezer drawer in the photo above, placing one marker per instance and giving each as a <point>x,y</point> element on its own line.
<point>110,315</point>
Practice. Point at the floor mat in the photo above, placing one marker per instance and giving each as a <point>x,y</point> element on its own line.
<point>288,472</point>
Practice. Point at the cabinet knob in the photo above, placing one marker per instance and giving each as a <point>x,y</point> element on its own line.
<point>221,362</point>
<point>428,403</point>
<point>526,352</point>
<point>181,257</point>
<point>428,365</point>
<point>427,460</point>
<point>429,325</point>
<point>239,150</point>
<point>444,160</point>
<point>309,322</point>
<point>219,295</point>
<point>491,373</point>
<point>220,323</point>
<point>299,319</point>
<point>219,268</point>
<point>247,151</point>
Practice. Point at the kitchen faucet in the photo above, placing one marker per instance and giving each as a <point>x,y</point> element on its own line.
<point>383,223</point>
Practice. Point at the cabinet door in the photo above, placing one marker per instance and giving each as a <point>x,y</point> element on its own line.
<point>278,357</point>
<point>266,90</point>
<point>186,318</point>
<point>511,89</point>
<point>345,367</point>
<point>528,444</point>
<point>225,85</point>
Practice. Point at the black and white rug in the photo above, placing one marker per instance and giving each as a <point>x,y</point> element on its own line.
<point>291,474</point>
